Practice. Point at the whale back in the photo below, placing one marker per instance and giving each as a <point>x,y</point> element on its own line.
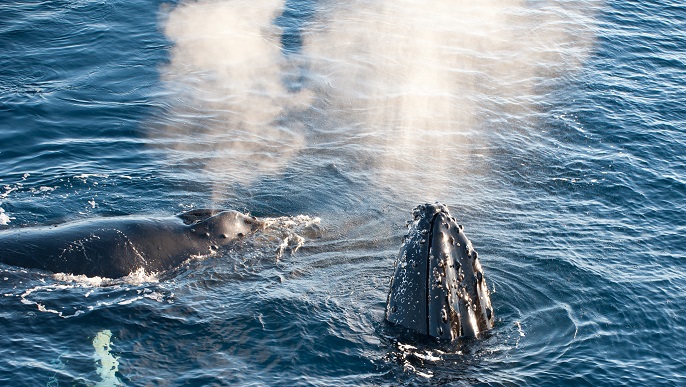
<point>106,247</point>
<point>114,247</point>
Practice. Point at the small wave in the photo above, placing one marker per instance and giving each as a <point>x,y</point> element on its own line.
<point>85,176</point>
<point>73,295</point>
<point>9,189</point>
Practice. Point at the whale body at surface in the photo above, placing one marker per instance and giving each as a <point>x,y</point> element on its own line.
<point>438,287</point>
<point>117,246</point>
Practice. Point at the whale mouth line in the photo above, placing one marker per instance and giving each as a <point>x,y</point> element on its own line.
<point>427,284</point>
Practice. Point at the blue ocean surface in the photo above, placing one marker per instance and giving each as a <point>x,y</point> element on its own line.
<point>554,130</point>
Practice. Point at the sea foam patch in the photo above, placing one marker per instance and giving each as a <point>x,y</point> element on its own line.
<point>4,218</point>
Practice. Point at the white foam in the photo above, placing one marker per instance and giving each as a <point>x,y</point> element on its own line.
<point>4,218</point>
<point>89,286</point>
<point>24,298</point>
<point>8,190</point>
<point>288,232</point>
<point>85,176</point>
<point>136,277</point>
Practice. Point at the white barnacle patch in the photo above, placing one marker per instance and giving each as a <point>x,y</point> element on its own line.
<point>438,278</point>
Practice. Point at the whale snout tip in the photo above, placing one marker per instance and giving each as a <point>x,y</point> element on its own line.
<point>247,223</point>
<point>238,224</point>
<point>438,287</point>
<point>225,226</point>
<point>428,209</point>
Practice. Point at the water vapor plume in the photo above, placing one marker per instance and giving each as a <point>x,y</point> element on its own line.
<point>424,82</point>
<point>227,97</point>
<point>407,92</point>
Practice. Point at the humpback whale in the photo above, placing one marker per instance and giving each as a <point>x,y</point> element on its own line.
<point>114,247</point>
<point>438,287</point>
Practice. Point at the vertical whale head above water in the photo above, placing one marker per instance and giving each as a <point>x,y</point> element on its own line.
<point>438,287</point>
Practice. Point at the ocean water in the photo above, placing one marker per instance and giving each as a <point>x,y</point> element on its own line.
<point>554,130</point>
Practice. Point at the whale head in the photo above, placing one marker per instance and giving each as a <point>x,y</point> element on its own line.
<point>438,287</point>
<point>221,226</point>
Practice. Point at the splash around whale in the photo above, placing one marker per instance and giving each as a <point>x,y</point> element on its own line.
<point>438,288</point>
<point>117,246</point>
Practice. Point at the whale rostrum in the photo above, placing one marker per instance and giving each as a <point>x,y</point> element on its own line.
<point>438,287</point>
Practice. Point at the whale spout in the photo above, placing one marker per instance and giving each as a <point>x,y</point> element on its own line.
<point>438,287</point>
